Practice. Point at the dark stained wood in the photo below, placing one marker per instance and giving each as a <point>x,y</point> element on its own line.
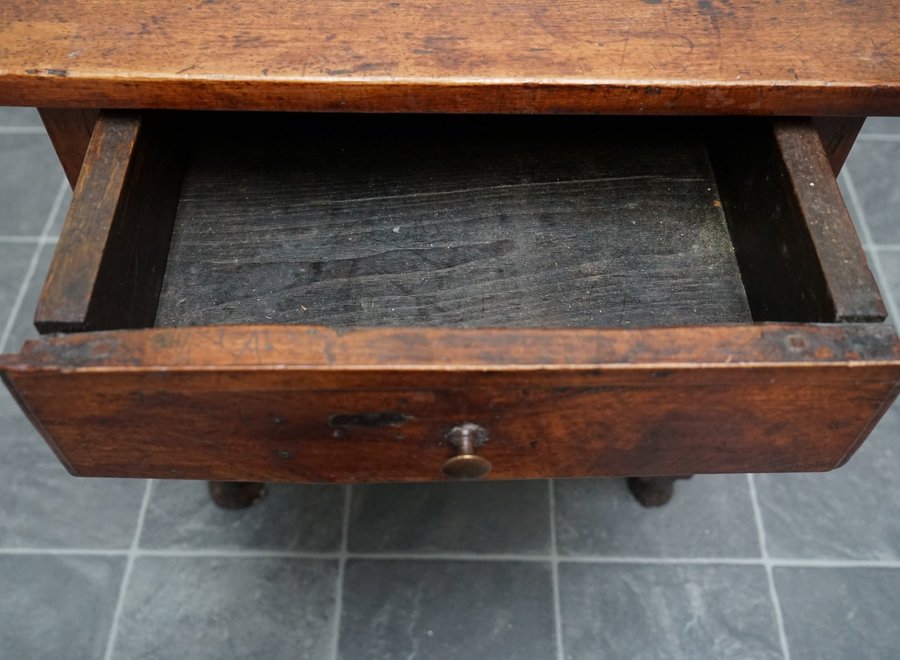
<point>851,286</point>
<point>796,245</point>
<point>70,132</point>
<point>110,259</point>
<point>264,403</point>
<point>838,135</point>
<point>236,494</point>
<point>830,58</point>
<point>451,221</point>
<point>653,491</point>
<point>492,229</point>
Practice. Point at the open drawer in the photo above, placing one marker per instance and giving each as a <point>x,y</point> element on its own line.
<point>325,298</point>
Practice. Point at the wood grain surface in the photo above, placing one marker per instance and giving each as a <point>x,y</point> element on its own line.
<point>110,259</point>
<point>451,221</point>
<point>447,350</point>
<point>832,57</point>
<point>70,131</point>
<point>312,404</point>
<point>799,253</point>
<point>838,135</point>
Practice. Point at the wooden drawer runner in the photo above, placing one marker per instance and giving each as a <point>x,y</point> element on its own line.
<point>323,298</point>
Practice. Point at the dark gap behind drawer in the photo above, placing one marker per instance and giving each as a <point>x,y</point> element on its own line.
<point>450,221</point>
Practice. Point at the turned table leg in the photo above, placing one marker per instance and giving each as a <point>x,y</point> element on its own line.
<point>653,491</point>
<point>236,494</point>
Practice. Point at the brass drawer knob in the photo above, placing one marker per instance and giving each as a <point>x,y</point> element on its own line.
<point>466,464</point>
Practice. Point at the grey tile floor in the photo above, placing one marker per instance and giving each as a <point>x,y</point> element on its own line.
<point>766,566</point>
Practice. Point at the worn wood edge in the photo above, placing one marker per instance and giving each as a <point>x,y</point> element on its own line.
<point>320,348</point>
<point>873,422</point>
<point>35,421</point>
<point>851,285</point>
<point>453,95</point>
<point>234,472</point>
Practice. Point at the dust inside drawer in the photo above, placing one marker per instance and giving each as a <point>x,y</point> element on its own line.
<point>454,221</point>
<point>451,221</point>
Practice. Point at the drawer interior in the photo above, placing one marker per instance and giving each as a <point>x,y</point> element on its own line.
<point>451,221</point>
<point>680,296</point>
<point>456,221</point>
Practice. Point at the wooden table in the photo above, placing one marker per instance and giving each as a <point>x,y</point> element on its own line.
<point>833,61</point>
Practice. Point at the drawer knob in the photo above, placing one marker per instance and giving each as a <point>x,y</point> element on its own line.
<point>466,464</point>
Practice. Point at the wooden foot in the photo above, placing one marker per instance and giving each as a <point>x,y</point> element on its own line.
<point>653,491</point>
<point>236,494</point>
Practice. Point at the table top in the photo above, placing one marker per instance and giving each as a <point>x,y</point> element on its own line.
<point>828,57</point>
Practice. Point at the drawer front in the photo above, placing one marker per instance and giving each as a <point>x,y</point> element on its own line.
<point>739,224</point>
<point>276,403</point>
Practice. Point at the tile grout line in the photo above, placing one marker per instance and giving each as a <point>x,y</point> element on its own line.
<point>18,240</point>
<point>339,581</point>
<point>836,563</point>
<point>126,576</point>
<point>767,565</point>
<point>739,561</point>
<point>64,552</point>
<point>870,246</point>
<point>878,137</point>
<point>554,563</point>
<point>236,554</point>
<point>22,130</point>
<point>32,265</point>
<point>223,553</point>
<point>663,561</point>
